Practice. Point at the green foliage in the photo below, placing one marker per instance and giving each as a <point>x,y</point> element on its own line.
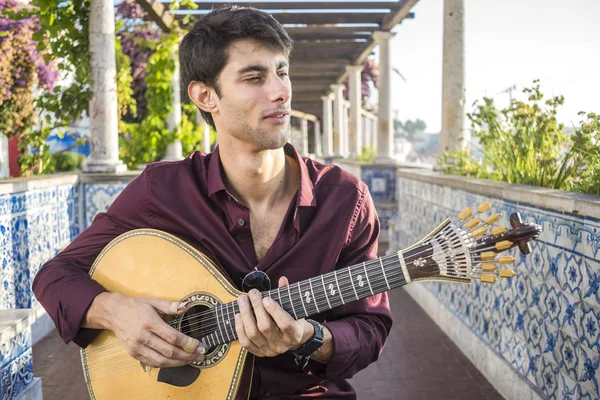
<point>125,97</point>
<point>367,154</point>
<point>409,127</point>
<point>145,142</point>
<point>525,144</point>
<point>65,162</point>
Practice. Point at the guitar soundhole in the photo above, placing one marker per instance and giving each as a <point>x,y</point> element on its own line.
<point>199,322</point>
<point>193,321</point>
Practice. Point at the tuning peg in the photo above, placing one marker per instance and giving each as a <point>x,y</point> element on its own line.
<point>506,273</point>
<point>487,278</point>
<point>492,219</point>
<point>472,223</point>
<point>487,255</point>
<point>479,232</point>
<point>503,245</point>
<point>506,259</point>
<point>466,213</point>
<point>483,207</point>
<point>498,230</point>
<point>488,267</point>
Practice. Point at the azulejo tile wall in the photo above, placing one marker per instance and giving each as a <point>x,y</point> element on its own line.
<point>33,226</point>
<point>545,322</point>
<point>97,197</point>
<point>16,365</point>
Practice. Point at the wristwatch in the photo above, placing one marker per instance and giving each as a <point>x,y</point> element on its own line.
<point>303,353</point>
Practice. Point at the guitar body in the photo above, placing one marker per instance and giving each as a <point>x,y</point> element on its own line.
<point>152,263</point>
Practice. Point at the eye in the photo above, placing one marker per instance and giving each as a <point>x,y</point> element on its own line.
<point>253,79</point>
<point>284,73</point>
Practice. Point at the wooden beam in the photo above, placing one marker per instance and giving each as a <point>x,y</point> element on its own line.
<point>299,38</point>
<point>330,30</point>
<point>303,87</point>
<point>302,5</point>
<point>312,74</point>
<point>303,115</point>
<point>158,13</point>
<point>316,18</point>
<point>396,16</point>
<point>337,45</point>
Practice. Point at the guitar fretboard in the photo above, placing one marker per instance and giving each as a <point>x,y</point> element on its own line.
<point>315,295</point>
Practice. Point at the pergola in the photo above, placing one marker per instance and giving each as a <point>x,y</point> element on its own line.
<point>328,36</point>
<point>332,40</point>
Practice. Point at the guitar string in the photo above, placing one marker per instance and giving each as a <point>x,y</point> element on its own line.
<point>214,323</point>
<point>214,319</point>
<point>121,349</point>
<point>211,322</point>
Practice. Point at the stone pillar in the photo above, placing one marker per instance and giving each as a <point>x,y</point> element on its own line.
<point>385,132</point>
<point>317,133</point>
<point>103,113</point>
<point>355,123</point>
<point>304,130</point>
<point>338,119</point>
<point>327,125</point>
<point>453,78</point>
<point>366,126</point>
<point>374,125</point>
<point>174,150</point>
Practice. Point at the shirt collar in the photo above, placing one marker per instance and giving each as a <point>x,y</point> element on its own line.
<point>305,198</point>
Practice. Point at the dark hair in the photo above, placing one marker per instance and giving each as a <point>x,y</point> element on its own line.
<point>203,50</point>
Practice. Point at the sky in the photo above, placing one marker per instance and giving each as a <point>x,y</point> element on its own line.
<point>507,42</point>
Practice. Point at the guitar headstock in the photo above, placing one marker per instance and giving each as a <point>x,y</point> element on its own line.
<point>468,248</point>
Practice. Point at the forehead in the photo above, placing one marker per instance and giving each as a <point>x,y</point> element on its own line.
<point>247,52</point>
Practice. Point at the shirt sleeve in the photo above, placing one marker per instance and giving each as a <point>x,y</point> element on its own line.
<point>360,328</point>
<point>63,285</point>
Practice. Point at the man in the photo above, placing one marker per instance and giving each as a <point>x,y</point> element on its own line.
<point>255,204</point>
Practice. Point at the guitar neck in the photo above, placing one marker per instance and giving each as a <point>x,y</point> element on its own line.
<point>322,293</point>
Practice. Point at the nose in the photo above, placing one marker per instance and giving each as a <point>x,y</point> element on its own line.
<point>280,89</point>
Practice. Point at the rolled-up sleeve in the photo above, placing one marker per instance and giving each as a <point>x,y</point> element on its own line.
<point>359,329</point>
<point>63,285</point>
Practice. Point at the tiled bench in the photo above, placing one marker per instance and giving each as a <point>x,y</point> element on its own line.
<point>16,363</point>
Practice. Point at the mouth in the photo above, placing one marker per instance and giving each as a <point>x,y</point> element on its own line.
<point>278,117</point>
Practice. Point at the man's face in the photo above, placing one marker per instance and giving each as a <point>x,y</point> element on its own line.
<point>256,92</point>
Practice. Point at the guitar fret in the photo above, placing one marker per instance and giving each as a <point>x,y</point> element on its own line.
<point>225,321</point>
<point>302,300</point>
<point>338,286</point>
<point>352,281</point>
<point>368,280</point>
<point>292,301</point>
<point>313,295</point>
<point>220,330</point>
<point>231,320</point>
<point>384,276</point>
<point>325,291</point>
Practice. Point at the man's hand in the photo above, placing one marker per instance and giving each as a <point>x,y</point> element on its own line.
<point>269,330</point>
<point>138,324</point>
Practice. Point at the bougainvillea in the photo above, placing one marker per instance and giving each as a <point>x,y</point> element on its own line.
<point>22,68</point>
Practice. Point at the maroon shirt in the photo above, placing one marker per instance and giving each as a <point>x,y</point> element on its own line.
<point>330,224</point>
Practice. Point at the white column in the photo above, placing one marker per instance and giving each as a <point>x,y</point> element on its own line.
<point>174,150</point>
<point>338,119</point>
<point>317,133</point>
<point>374,126</point>
<point>304,130</point>
<point>104,117</point>
<point>327,125</point>
<point>355,95</point>
<point>453,80</point>
<point>385,134</point>
<point>366,132</point>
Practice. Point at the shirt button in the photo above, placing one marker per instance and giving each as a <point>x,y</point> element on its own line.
<point>241,222</point>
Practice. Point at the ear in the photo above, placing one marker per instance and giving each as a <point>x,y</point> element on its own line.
<point>203,96</point>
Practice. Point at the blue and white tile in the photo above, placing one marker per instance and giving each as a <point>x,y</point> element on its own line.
<point>98,198</point>
<point>588,373</point>
<point>15,376</point>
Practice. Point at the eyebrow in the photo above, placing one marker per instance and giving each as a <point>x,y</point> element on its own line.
<point>261,68</point>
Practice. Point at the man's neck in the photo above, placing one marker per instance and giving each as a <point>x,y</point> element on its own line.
<point>259,179</point>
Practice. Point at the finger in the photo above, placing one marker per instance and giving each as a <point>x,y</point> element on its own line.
<point>172,352</point>
<point>284,321</point>
<point>167,307</point>
<point>283,281</point>
<point>264,323</point>
<point>176,338</point>
<point>244,340</point>
<point>249,322</point>
<point>153,358</point>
